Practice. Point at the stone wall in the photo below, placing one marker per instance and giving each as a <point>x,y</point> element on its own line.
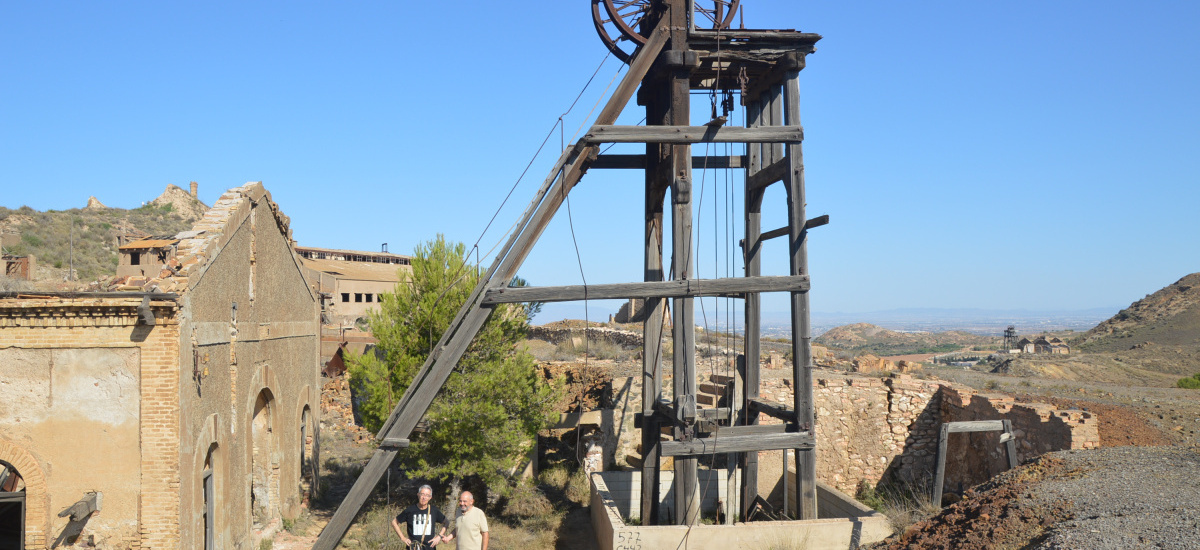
<point>869,429</point>
<point>555,335</point>
<point>1039,428</point>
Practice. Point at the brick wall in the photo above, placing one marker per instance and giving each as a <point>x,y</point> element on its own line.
<point>159,515</point>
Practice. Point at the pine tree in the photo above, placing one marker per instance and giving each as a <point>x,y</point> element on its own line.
<point>486,417</point>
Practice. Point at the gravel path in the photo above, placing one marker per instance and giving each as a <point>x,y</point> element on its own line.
<point>1127,497</point>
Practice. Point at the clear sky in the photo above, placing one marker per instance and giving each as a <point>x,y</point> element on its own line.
<point>1000,155</point>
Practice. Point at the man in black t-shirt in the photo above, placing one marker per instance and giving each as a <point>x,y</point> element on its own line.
<point>426,524</point>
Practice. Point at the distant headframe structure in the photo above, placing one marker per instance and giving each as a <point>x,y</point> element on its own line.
<point>676,47</point>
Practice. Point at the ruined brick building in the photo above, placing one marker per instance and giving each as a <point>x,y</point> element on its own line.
<point>183,415</point>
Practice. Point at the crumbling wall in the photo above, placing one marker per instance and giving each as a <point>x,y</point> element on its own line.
<point>555,335</point>
<point>1039,428</point>
<point>873,429</point>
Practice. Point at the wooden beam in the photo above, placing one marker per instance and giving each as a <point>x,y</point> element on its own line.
<point>681,135</point>
<point>638,162</point>
<point>729,287</point>
<point>757,429</point>
<point>802,399</point>
<point>976,426</point>
<point>738,443</point>
<point>749,362</point>
<point>775,233</point>
<point>768,175</point>
<point>775,410</point>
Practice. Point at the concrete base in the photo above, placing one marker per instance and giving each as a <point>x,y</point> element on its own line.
<point>845,524</point>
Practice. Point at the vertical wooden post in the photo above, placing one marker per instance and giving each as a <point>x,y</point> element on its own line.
<point>806,459</point>
<point>652,328</point>
<point>1011,445</point>
<point>753,265</point>
<point>940,475</point>
<point>687,495</point>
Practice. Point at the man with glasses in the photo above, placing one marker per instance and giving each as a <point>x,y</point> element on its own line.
<point>470,525</point>
<point>422,520</point>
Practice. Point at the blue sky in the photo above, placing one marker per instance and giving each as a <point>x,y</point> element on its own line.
<point>1016,155</point>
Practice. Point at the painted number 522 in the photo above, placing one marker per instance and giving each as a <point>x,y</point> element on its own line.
<point>631,540</point>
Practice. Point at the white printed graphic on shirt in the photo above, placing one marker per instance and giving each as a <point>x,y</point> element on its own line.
<point>422,524</point>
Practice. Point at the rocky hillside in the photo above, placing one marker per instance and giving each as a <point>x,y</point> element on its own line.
<point>1169,317</point>
<point>868,338</point>
<point>87,236</point>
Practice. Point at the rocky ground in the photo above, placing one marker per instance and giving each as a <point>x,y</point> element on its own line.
<point>1141,490</point>
<point>1109,498</point>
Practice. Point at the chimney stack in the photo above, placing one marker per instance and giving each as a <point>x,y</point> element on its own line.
<point>193,189</point>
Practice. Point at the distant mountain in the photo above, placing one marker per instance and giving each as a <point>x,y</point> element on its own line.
<point>1167,318</point>
<point>865,337</point>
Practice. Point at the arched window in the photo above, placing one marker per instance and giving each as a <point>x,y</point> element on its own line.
<point>12,508</point>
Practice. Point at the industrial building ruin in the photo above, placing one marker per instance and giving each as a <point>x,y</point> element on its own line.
<point>182,414</point>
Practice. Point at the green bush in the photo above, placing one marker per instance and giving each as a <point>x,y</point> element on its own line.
<point>1192,383</point>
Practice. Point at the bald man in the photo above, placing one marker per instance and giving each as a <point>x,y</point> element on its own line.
<point>470,525</point>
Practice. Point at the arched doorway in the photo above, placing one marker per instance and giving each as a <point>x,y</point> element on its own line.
<point>264,487</point>
<point>209,490</point>
<point>12,508</point>
<point>307,459</point>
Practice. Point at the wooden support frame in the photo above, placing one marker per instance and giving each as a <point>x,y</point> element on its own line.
<point>1006,437</point>
<point>471,317</point>
<point>663,69</point>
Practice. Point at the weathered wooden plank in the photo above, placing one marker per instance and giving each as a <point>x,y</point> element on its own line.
<point>680,135</point>
<point>737,443</point>
<point>749,362</point>
<point>687,493</point>
<point>976,426</point>
<point>729,287</point>
<point>768,175</point>
<point>775,410</point>
<point>756,429</point>
<point>806,459</point>
<point>815,222</point>
<point>939,475</point>
<point>638,162</point>
<point>652,327</point>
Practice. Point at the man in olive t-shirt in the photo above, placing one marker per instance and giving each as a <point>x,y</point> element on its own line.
<point>470,525</point>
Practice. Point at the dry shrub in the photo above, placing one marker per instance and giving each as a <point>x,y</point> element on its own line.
<point>373,529</point>
<point>579,488</point>
<point>532,535</point>
<point>904,504</point>
<point>555,477</point>
<point>527,502</point>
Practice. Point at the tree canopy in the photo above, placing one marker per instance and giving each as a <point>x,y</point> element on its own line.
<point>486,417</point>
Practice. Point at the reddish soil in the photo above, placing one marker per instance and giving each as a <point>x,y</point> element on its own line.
<point>998,514</point>
<point>1119,426</point>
